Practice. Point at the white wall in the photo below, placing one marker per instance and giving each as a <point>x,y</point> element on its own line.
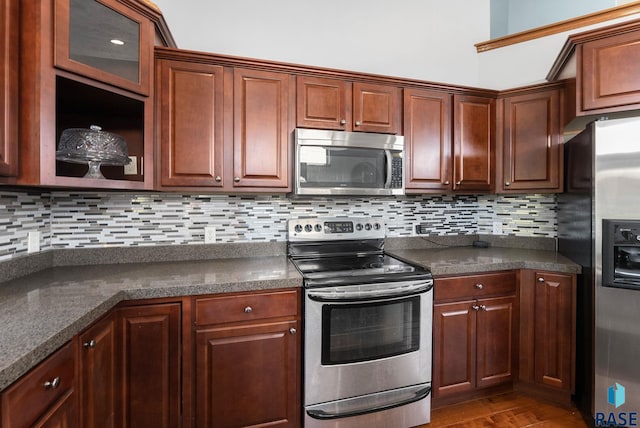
<point>422,39</point>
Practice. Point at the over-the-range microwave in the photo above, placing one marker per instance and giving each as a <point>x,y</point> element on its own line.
<point>348,163</point>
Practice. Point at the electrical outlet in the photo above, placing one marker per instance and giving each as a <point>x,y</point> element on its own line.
<point>497,228</point>
<point>132,167</point>
<point>33,241</point>
<point>209,235</point>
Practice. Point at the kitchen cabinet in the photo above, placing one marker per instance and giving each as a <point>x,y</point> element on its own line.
<point>427,137</point>
<point>73,81</point>
<point>530,148</point>
<point>263,103</point>
<point>150,348</point>
<point>191,107</point>
<point>474,335</point>
<point>98,383</point>
<point>474,119</point>
<point>248,359</point>
<point>548,329</point>
<point>45,396</point>
<point>326,103</point>
<point>9,57</point>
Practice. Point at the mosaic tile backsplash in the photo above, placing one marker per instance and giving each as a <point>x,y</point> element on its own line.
<point>76,220</point>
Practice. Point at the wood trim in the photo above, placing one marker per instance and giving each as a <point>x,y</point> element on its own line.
<point>561,26</point>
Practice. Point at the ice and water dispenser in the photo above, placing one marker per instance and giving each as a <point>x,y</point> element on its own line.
<point>621,253</point>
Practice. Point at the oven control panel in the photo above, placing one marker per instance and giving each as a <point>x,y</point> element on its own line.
<point>335,228</point>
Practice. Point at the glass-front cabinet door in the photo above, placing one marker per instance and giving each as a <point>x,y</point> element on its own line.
<point>105,41</point>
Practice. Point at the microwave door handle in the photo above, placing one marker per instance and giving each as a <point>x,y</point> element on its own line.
<point>387,183</point>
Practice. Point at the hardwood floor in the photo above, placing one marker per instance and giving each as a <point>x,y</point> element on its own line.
<point>510,410</point>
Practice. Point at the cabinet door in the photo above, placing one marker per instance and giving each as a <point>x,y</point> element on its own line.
<point>554,329</point>
<point>532,142</point>
<point>9,19</point>
<point>497,350</point>
<point>62,415</point>
<point>376,108</point>
<point>191,103</point>
<point>454,348</point>
<point>323,103</point>
<point>83,30</point>
<point>608,77</point>
<point>474,142</point>
<point>247,375</point>
<point>98,374</point>
<point>427,133</point>
<point>262,130</point>
<point>151,387</point>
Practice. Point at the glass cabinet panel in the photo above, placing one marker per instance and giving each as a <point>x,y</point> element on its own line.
<point>105,41</point>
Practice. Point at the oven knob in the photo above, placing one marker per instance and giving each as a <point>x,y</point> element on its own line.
<point>318,228</point>
<point>298,228</point>
<point>308,228</point>
<point>367,226</point>
<point>358,226</point>
<point>376,226</point>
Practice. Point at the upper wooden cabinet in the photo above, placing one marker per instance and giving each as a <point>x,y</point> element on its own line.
<point>120,53</point>
<point>65,82</point>
<point>262,129</point>
<point>191,122</point>
<point>529,154</point>
<point>474,120</point>
<point>9,53</point>
<point>339,104</point>
<point>427,137</point>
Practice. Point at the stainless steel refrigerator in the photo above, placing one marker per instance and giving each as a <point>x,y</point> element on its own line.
<point>599,228</point>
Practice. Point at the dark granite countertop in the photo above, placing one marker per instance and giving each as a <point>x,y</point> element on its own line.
<point>43,310</point>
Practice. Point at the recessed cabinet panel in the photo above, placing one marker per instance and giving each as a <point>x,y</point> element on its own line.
<point>9,57</point>
<point>104,40</point>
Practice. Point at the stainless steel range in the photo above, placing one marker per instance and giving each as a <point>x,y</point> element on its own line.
<point>368,321</point>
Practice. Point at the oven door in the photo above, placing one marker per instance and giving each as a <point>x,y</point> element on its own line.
<point>366,339</point>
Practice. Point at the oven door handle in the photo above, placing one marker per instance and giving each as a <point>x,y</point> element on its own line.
<point>369,292</point>
<point>362,406</point>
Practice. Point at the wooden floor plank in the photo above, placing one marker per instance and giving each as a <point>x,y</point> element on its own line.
<point>510,410</point>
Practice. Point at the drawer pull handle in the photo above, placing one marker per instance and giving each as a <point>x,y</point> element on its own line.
<point>479,286</point>
<point>53,384</point>
<point>541,279</point>
<point>90,344</point>
<point>248,310</point>
<point>293,330</point>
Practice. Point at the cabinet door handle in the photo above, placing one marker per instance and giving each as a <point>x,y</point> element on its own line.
<point>52,384</point>
<point>458,183</point>
<point>248,310</point>
<point>540,279</point>
<point>475,307</point>
<point>446,183</point>
<point>236,179</point>
<point>90,344</point>
<point>357,123</point>
<point>343,122</point>
<point>483,308</point>
<point>479,286</point>
<point>218,179</point>
<point>507,184</point>
<point>293,330</point>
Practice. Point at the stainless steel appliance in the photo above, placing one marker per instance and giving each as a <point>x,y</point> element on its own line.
<point>367,322</point>
<point>348,163</point>
<point>599,228</point>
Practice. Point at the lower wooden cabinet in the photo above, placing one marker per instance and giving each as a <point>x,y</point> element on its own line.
<point>45,396</point>
<point>248,353</point>
<point>474,334</point>
<point>547,328</point>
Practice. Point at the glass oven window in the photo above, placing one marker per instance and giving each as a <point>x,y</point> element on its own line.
<point>369,331</point>
<point>342,167</point>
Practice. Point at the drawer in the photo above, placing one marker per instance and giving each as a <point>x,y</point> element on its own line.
<point>29,398</point>
<point>246,307</point>
<point>474,286</point>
